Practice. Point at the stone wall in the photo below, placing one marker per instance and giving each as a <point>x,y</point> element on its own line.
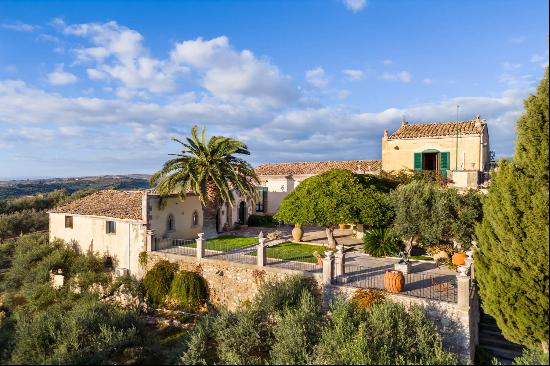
<point>230,284</point>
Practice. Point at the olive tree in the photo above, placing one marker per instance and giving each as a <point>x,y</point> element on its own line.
<point>334,197</point>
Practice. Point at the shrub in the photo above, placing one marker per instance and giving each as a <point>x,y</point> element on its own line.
<point>261,220</point>
<point>384,334</point>
<point>85,332</point>
<point>364,298</point>
<point>188,290</point>
<point>276,296</point>
<point>380,242</point>
<point>158,281</point>
<point>296,331</point>
<point>532,357</point>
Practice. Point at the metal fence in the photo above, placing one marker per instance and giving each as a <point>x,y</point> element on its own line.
<point>228,252</point>
<point>183,247</point>
<point>297,264</point>
<point>427,286</point>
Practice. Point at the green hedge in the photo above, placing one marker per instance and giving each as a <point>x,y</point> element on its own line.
<point>158,281</point>
<point>261,220</point>
<point>188,290</point>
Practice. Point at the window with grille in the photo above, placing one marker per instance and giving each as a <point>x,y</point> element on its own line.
<point>110,227</point>
<point>69,222</point>
<point>171,224</point>
<point>195,219</point>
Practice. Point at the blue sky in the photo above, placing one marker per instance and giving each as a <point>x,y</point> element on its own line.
<point>92,88</point>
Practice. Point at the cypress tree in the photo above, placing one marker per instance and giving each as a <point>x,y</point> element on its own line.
<point>512,268</point>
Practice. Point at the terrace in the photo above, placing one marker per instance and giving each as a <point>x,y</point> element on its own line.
<point>359,270</point>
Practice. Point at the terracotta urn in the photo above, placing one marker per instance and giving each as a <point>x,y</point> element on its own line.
<point>459,259</point>
<point>297,232</point>
<point>394,281</point>
<point>341,226</point>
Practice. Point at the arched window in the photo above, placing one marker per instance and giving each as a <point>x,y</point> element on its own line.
<point>195,218</point>
<point>170,223</point>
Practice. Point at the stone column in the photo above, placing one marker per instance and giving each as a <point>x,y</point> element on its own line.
<point>200,246</point>
<point>339,261</point>
<point>328,261</point>
<point>463,292</point>
<point>149,241</point>
<point>261,252</point>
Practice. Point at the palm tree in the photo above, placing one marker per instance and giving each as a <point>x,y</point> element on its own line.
<point>211,171</point>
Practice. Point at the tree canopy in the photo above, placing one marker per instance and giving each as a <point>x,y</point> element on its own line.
<point>512,260</point>
<point>335,197</point>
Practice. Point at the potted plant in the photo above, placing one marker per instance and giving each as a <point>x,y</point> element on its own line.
<point>297,232</point>
<point>394,281</point>
<point>459,258</point>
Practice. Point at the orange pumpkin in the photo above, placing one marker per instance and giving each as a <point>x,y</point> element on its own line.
<point>394,281</point>
<point>459,259</point>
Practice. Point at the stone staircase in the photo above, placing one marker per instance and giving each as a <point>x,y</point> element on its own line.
<point>492,341</point>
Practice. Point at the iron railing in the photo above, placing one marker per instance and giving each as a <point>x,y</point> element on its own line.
<point>427,286</point>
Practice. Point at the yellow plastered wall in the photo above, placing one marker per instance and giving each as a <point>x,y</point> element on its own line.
<point>181,210</point>
<point>398,154</point>
<point>89,232</point>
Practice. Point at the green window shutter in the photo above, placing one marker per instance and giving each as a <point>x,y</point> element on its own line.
<point>445,163</point>
<point>417,161</point>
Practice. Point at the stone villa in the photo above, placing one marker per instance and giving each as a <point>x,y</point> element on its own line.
<point>122,224</point>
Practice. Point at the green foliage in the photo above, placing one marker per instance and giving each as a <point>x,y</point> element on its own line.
<point>468,212</point>
<point>385,333</point>
<point>158,281</point>
<point>22,222</point>
<point>277,295</point>
<point>295,332</point>
<point>261,221</point>
<point>188,290</point>
<point>50,326</point>
<point>532,357</point>
<point>423,213</point>
<point>84,332</point>
<point>336,196</point>
<point>142,259</point>
<point>380,242</point>
<point>212,170</point>
<point>512,261</point>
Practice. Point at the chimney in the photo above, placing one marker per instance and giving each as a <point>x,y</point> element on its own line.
<point>478,121</point>
<point>386,134</point>
<point>404,123</point>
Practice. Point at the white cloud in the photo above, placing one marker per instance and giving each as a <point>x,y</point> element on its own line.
<point>387,62</point>
<point>540,59</point>
<point>317,77</point>
<point>403,76</point>
<point>61,77</point>
<point>355,5</point>
<point>427,81</point>
<point>18,27</point>
<point>353,74</point>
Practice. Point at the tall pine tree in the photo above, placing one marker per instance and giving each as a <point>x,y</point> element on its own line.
<point>512,261</point>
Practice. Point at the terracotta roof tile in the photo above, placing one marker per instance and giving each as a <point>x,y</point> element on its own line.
<point>108,203</point>
<point>318,167</point>
<point>416,130</point>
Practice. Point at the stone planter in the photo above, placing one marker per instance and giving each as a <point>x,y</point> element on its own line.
<point>403,267</point>
<point>297,232</point>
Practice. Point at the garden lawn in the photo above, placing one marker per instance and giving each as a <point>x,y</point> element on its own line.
<point>295,252</point>
<point>226,243</point>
